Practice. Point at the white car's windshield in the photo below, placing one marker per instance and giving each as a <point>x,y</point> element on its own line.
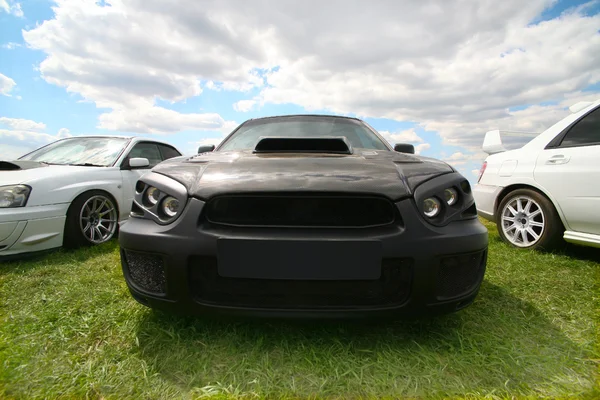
<point>358,134</point>
<point>94,151</point>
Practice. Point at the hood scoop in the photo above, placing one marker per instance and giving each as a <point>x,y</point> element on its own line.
<point>275,144</point>
<point>19,165</point>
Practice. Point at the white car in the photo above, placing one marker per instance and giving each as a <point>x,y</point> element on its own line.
<point>549,189</point>
<point>73,191</point>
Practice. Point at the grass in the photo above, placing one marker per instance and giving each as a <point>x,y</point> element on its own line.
<point>69,329</point>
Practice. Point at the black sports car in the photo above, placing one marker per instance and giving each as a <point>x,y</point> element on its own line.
<point>304,216</point>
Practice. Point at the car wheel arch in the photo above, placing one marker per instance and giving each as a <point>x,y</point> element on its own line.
<point>510,188</point>
<point>85,192</point>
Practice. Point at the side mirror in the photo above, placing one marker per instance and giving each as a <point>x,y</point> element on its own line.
<point>404,148</point>
<point>206,149</point>
<point>138,163</point>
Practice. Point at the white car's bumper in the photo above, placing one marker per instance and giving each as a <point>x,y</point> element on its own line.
<point>30,229</point>
<point>485,200</point>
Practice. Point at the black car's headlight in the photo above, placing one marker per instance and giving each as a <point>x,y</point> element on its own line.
<point>14,196</point>
<point>445,199</point>
<point>158,198</point>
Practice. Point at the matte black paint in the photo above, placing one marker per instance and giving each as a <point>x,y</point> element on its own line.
<point>388,173</point>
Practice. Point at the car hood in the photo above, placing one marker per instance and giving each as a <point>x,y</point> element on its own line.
<point>388,173</point>
<point>27,172</point>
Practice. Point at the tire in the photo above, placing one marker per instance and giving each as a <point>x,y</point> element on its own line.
<point>92,219</point>
<point>535,224</point>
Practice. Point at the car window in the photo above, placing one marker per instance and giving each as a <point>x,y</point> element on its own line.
<point>168,152</point>
<point>146,150</point>
<point>357,134</point>
<point>585,132</point>
<point>102,151</point>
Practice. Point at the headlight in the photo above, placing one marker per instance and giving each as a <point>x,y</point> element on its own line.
<point>451,196</point>
<point>170,206</point>
<point>14,196</point>
<point>431,207</point>
<point>152,195</point>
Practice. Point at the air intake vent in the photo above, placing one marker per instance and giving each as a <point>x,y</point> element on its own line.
<point>301,211</point>
<point>460,274</point>
<point>145,270</point>
<point>336,145</point>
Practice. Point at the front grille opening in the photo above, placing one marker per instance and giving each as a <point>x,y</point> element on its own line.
<point>145,270</point>
<point>460,274</point>
<point>392,288</point>
<point>301,211</point>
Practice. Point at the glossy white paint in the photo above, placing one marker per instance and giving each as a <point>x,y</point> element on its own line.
<point>569,177</point>
<point>40,224</point>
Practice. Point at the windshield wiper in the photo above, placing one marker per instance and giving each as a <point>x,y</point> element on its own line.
<point>86,165</point>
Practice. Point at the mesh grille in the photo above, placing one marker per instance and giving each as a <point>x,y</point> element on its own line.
<point>460,274</point>
<point>392,288</point>
<point>146,270</point>
<point>300,211</point>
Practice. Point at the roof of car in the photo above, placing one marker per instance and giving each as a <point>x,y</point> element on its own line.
<point>305,115</point>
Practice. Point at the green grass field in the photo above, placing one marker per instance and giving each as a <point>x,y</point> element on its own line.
<point>69,329</point>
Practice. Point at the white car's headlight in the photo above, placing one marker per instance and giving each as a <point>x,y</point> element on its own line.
<point>14,196</point>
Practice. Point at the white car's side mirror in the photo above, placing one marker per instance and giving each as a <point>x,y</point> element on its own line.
<point>138,162</point>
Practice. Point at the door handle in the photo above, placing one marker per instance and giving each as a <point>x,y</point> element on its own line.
<point>558,159</point>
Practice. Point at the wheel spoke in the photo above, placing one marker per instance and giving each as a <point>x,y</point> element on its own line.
<point>512,210</point>
<point>533,234</point>
<point>536,224</point>
<point>524,236</point>
<point>87,226</point>
<point>92,234</point>
<point>511,219</point>
<point>535,213</point>
<point>519,205</point>
<point>100,236</point>
<point>510,228</point>
<point>103,227</point>
<point>102,214</point>
<point>101,206</point>
<point>527,207</point>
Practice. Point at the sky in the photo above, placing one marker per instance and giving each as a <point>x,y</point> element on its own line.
<point>437,74</point>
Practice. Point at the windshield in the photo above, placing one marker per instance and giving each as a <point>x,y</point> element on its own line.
<point>358,134</point>
<point>99,151</point>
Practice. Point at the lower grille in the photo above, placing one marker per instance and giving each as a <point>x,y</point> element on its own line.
<point>145,270</point>
<point>300,211</point>
<point>460,274</point>
<point>392,288</point>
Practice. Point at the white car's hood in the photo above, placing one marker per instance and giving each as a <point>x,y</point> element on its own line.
<point>31,175</point>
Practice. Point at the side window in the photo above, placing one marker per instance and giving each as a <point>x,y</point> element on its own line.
<point>585,132</point>
<point>168,152</point>
<point>146,150</point>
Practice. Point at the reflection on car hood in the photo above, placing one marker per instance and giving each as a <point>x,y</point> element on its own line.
<point>388,173</point>
<point>44,171</point>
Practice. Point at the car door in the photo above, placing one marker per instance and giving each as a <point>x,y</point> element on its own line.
<point>569,168</point>
<point>130,176</point>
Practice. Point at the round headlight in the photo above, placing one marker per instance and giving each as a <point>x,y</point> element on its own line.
<point>152,195</point>
<point>170,206</point>
<point>431,207</point>
<point>451,196</point>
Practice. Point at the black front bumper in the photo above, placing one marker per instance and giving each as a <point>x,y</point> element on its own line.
<point>423,269</point>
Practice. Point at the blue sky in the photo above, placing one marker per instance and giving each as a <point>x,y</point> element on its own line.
<point>436,74</point>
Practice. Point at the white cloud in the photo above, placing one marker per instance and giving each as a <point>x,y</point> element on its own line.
<point>6,84</point>
<point>11,7</point>
<point>452,67</point>
<point>420,148</point>
<point>22,136</point>
<point>10,45</point>
<point>459,158</point>
<point>19,124</point>
<point>406,136</point>
<point>244,105</point>
<point>158,120</point>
